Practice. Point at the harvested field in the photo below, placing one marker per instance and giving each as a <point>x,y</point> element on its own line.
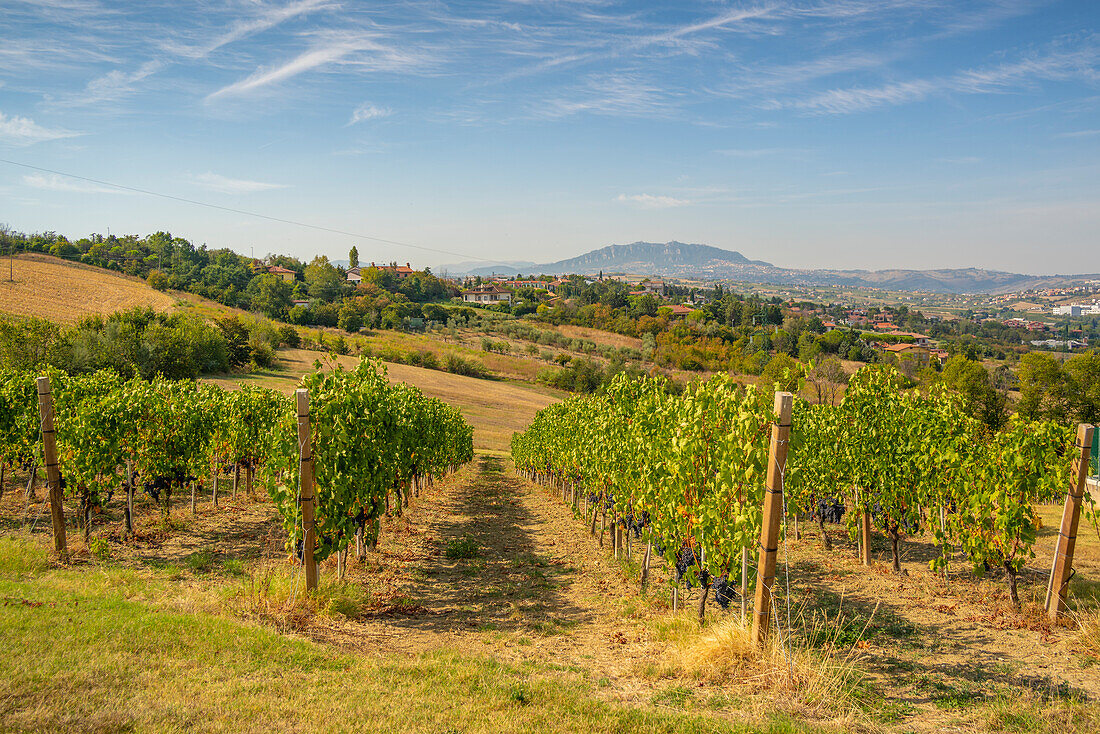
<point>62,291</point>
<point>494,408</point>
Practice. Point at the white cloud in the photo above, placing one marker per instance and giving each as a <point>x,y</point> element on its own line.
<point>268,18</point>
<point>53,182</point>
<point>226,185</point>
<point>263,77</point>
<point>1078,134</point>
<point>610,94</point>
<point>112,85</point>
<point>368,111</point>
<point>1059,65</point>
<point>25,131</point>
<point>649,201</point>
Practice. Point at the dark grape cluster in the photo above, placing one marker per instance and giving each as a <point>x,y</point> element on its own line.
<point>158,484</point>
<point>634,523</point>
<point>687,559</point>
<point>724,591</point>
<point>830,509</point>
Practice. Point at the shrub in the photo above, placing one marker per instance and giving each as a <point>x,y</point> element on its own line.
<point>289,336</point>
<point>157,280</point>
<point>457,365</point>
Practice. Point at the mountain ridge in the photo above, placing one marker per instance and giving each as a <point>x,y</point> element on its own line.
<point>705,262</point>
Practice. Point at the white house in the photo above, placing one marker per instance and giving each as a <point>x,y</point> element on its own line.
<point>487,295</point>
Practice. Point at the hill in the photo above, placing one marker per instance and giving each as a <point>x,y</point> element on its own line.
<point>65,292</point>
<point>651,258</point>
<point>494,408</point>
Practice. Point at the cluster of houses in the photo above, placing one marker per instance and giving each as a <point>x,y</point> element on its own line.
<point>1078,309</point>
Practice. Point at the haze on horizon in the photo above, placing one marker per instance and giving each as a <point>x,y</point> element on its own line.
<point>808,133</point>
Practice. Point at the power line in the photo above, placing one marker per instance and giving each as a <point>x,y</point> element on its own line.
<point>246,212</point>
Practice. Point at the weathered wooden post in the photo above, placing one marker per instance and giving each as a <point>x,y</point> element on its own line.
<point>306,492</point>
<point>773,513</point>
<point>865,538</point>
<point>1067,534</point>
<point>53,476</point>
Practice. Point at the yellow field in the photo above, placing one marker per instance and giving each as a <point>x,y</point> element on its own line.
<point>495,409</point>
<point>65,292</point>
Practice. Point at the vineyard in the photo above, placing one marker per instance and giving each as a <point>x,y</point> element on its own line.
<point>365,445</point>
<point>686,476</point>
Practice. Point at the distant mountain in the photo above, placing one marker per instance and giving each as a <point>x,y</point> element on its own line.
<point>481,267</point>
<point>651,258</point>
<point>703,262</point>
<point>639,258</point>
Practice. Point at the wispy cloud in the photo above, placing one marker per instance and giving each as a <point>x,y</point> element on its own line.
<point>1078,134</point>
<point>266,18</point>
<point>53,182</point>
<point>362,50</point>
<point>367,111</point>
<point>609,94</point>
<point>649,201</point>
<point>1055,66</point>
<point>226,185</point>
<point>263,77</point>
<point>111,86</point>
<point>17,130</point>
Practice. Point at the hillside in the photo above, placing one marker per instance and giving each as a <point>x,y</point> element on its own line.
<point>65,292</point>
<point>495,409</point>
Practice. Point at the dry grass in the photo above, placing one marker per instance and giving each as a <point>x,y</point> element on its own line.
<point>815,682</point>
<point>65,292</point>
<point>1086,641</point>
<point>600,337</point>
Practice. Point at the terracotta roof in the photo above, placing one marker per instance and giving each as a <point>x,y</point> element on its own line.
<point>279,270</point>
<point>485,289</point>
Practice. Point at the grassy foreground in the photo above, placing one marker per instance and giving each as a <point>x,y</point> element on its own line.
<point>100,650</point>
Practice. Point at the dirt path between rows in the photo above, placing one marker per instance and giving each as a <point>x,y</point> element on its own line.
<point>535,587</point>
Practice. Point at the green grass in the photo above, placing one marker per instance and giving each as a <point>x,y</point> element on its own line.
<point>464,547</point>
<point>108,650</point>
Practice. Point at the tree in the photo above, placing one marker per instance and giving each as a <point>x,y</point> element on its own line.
<point>1043,389</point>
<point>350,319</point>
<point>784,372</point>
<point>972,381</point>
<point>157,280</point>
<point>323,280</point>
<point>828,379</point>
<point>353,257</point>
<point>1082,373</point>
<point>272,296</point>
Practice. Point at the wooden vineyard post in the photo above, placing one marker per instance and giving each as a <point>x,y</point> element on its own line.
<point>307,494</point>
<point>53,476</point>
<point>773,513</point>
<point>865,538</point>
<point>1067,535</point>
<point>744,584</point>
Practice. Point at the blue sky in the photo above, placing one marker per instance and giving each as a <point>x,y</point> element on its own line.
<point>849,134</point>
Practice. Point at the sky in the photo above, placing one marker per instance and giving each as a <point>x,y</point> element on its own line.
<point>808,133</point>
